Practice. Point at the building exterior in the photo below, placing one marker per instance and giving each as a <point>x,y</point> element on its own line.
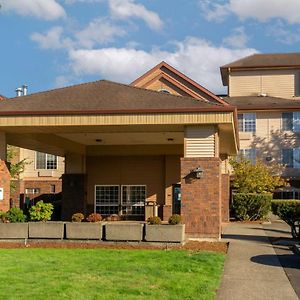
<point>266,90</point>
<point>125,147</point>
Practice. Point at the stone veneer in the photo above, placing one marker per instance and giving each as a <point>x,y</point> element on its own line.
<point>5,184</point>
<point>201,198</point>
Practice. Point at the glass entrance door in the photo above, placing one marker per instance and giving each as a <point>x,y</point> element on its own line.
<point>107,199</point>
<point>176,207</point>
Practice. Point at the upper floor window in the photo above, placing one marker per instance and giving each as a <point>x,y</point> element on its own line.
<point>46,161</point>
<point>248,154</point>
<point>291,157</point>
<point>291,121</point>
<point>247,122</point>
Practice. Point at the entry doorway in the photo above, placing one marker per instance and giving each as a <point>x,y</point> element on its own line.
<point>127,201</point>
<point>176,207</point>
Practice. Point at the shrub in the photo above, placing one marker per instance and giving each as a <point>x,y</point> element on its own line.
<point>3,217</point>
<point>94,217</point>
<point>251,206</point>
<point>15,215</point>
<point>41,211</point>
<point>154,220</point>
<point>175,219</point>
<point>288,211</point>
<point>78,217</point>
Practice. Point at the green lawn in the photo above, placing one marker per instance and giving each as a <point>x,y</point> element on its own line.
<point>108,274</point>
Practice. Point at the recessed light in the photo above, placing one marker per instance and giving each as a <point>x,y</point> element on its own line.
<point>98,140</point>
<point>170,139</point>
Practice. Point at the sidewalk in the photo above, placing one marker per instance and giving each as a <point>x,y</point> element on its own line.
<point>252,269</point>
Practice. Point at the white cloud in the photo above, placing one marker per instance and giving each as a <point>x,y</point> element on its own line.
<point>43,9</point>
<point>283,35</point>
<point>52,39</point>
<point>125,9</point>
<point>261,10</point>
<point>197,58</point>
<point>99,31</point>
<point>238,39</point>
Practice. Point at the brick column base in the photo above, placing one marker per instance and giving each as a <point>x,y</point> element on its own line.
<point>201,198</point>
<point>167,212</point>
<point>5,185</point>
<point>73,195</point>
<point>225,196</point>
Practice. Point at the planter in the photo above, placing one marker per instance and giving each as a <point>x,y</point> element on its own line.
<point>165,233</point>
<point>13,230</point>
<point>84,231</point>
<point>123,231</point>
<point>46,230</point>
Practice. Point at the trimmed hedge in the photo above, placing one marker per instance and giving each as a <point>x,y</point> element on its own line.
<point>288,211</point>
<point>251,206</point>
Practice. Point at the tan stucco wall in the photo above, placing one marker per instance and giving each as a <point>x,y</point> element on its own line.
<point>158,173</point>
<point>277,83</point>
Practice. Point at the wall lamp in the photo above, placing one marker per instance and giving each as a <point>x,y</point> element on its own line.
<point>198,172</point>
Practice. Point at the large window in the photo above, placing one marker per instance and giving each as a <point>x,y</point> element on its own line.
<point>247,122</point>
<point>291,121</point>
<point>249,154</point>
<point>46,161</point>
<point>291,158</point>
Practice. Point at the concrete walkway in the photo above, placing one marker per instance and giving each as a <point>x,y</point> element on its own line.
<point>252,268</point>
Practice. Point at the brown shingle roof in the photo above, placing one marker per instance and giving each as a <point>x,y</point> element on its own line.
<point>103,97</point>
<point>263,103</point>
<point>267,60</point>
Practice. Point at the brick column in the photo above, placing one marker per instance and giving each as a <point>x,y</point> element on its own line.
<point>5,185</point>
<point>73,195</point>
<point>225,196</point>
<point>201,198</point>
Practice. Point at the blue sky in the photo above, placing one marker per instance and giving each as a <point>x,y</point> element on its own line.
<point>53,43</point>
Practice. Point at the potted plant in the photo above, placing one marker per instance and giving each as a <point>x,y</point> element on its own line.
<point>90,230</point>
<point>122,231</point>
<point>13,224</point>
<point>40,227</point>
<point>173,232</point>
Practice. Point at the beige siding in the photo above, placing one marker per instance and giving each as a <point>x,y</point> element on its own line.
<point>32,173</point>
<point>200,141</point>
<point>277,83</point>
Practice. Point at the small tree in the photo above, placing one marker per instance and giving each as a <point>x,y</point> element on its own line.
<point>15,167</point>
<point>258,178</point>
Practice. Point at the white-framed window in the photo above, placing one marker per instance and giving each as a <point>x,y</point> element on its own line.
<point>32,191</point>
<point>44,161</point>
<point>249,154</point>
<point>291,157</point>
<point>127,200</point>
<point>291,121</point>
<point>247,122</point>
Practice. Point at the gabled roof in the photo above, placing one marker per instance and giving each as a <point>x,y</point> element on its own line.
<point>188,82</point>
<point>262,61</point>
<point>2,97</point>
<point>253,103</point>
<point>102,97</point>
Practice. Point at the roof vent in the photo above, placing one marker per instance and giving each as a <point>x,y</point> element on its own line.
<point>22,91</point>
<point>19,92</point>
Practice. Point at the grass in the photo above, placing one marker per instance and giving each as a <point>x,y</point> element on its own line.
<point>108,274</point>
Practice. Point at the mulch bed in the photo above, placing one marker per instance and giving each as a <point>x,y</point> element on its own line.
<point>190,245</point>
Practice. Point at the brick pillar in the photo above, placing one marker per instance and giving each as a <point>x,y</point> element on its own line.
<point>225,196</point>
<point>73,195</point>
<point>5,185</point>
<point>201,198</point>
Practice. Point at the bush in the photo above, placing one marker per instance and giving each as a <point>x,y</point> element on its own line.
<point>78,217</point>
<point>94,217</point>
<point>175,219</point>
<point>41,211</point>
<point>3,217</point>
<point>154,220</point>
<point>15,215</point>
<point>288,211</point>
<point>251,206</point>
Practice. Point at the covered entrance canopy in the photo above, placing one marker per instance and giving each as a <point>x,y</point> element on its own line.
<point>117,135</point>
